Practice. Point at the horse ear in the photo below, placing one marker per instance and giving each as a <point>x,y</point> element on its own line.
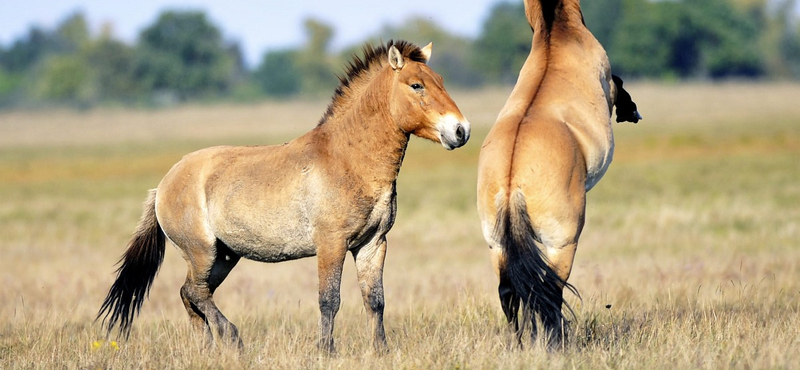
<point>395,58</point>
<point>426,51</point>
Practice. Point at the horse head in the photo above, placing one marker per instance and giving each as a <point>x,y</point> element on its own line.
<point>419,103</point>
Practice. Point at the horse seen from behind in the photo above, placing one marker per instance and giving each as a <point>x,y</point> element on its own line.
<point>551,143</point>
<point>325,193</point>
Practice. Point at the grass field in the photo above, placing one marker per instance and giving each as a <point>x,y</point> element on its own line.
<point>690,258</point>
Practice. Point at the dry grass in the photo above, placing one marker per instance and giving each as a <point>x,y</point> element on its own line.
<point>692,239</point>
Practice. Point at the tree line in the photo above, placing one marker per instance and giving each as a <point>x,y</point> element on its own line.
<point>183,56</point>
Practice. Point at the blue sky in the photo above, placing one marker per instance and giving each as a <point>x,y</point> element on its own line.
<point>258,26</point>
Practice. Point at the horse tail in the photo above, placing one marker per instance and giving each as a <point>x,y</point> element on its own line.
<point>528,269</point>
<point>137,269</point>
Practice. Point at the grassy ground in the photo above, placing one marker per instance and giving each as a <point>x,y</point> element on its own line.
<point>689,259</point>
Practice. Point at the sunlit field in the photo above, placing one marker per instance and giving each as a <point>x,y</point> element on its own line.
<point>690,258</point>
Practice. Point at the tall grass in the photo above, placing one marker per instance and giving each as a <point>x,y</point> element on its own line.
<point>689,258</point>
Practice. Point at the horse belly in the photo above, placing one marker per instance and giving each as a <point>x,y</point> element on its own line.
<point>269,238</point>
<point>272,248</point>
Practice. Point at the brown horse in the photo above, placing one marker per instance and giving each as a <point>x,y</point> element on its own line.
<point>552,143</point>
<point>327,192</point>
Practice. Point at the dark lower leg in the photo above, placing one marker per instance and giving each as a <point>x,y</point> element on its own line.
<point>369,268</point>
<point>509,301</point>
<point>553,321</point>
<point>330,277</point>
<point>224,262</point>
<point>196,318</point>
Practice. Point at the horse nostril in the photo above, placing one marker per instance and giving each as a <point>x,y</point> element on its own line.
<point>460,133</point>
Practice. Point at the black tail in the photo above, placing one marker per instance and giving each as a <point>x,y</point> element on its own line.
<point>138,267</point>
<point>528,270</point>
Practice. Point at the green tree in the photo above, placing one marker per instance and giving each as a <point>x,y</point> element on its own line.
<point>314,60</point>
<point>602,18</point>
<point>687,39</point>
<point>504,43</point>
<point>184,53</point>
<point>278,75</point>
<point>64,78</point>
<point>781,41</point>
<point>9,84</point>
<point>112,69</point>
<point>53,62</point>
<point>790,51</point>
<point>640,41</point>
<point>72,33</point>
<point>730,42</point>
<point>28,51</point>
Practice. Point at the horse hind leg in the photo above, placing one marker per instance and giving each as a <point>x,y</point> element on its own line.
<point>196,317</point>
<point>207,270</point>
<point>561,256</point>
<point>509,299</point>
<point>555,325</point>
<point>510,303</point>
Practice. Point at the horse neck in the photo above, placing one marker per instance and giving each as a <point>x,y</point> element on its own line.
<point>549,20</point>
<point>361,133</point>
<point>545,15</point>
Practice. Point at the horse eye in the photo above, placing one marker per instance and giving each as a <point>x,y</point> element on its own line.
<point>416,87</point>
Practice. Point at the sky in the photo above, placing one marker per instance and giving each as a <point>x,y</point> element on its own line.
<point>258,26</point>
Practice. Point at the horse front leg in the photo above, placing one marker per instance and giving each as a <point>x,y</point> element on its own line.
<point>369,261</point>
<point>330,258</point>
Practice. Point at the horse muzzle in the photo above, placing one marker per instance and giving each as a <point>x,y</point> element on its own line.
<point>453,132</point>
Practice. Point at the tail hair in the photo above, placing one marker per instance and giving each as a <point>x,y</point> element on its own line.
<point>528,269</point>
<point>138,268</point>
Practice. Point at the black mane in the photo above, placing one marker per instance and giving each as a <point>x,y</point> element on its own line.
<point>372,56</point>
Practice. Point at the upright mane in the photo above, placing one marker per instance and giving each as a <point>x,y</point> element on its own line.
<point>373,56</point>
<point>551,11</point>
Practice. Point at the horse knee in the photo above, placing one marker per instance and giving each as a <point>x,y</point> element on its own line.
<point>375,301</point>
<point>329,302</point>
<point>185,296</point>
<point>190,300</point>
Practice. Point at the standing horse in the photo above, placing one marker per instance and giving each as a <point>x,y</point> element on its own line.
<point>327,192</point>
<point>552,143</point>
